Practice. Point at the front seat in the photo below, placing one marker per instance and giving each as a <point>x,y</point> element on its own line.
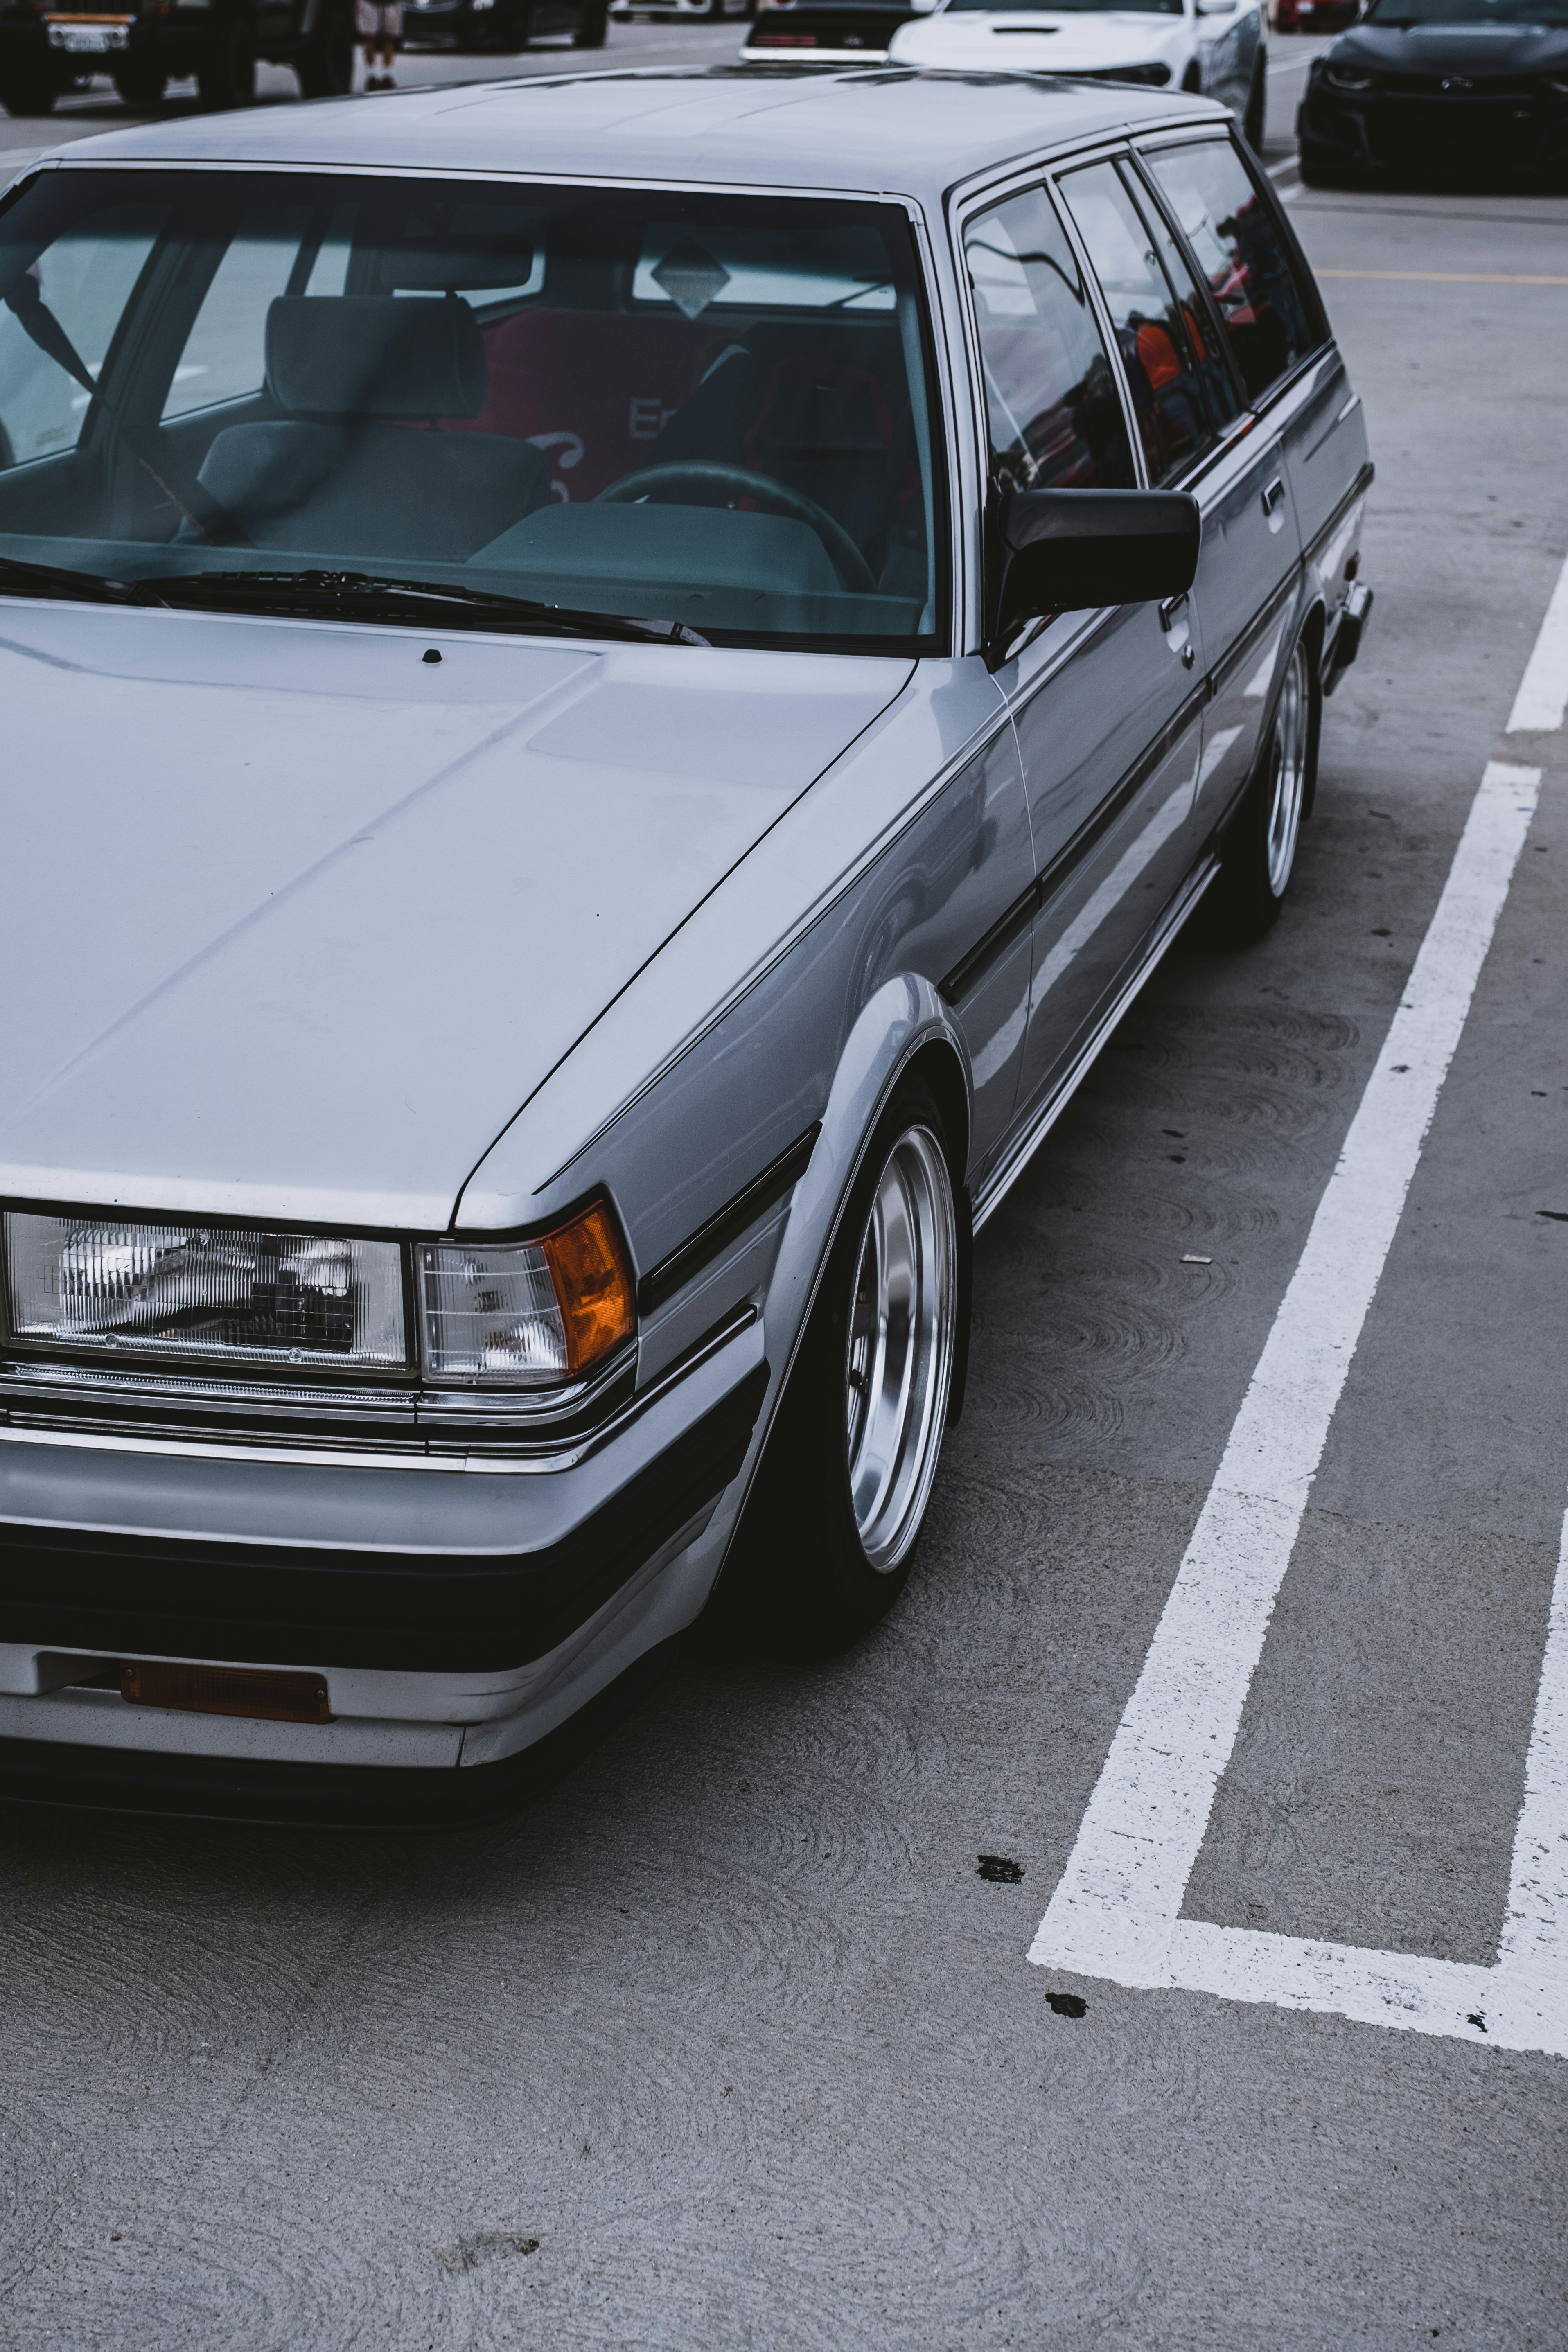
<point>341,474</point>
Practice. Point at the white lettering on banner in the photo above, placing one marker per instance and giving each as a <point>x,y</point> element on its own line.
<point>647,419</point>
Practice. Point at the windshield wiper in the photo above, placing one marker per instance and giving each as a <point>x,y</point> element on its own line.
<point>53,580</point>
<point>362,593</point>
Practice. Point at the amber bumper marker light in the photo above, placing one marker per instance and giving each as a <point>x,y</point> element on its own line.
<point>264,1696</point>
<point>526,1314</point>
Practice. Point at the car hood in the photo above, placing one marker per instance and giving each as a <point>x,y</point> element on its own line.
<point>1042,43</point>
<point>1480,52</point>
<point>296,918</point>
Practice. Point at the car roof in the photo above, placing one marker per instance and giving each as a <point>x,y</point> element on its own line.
<point>882,129</point>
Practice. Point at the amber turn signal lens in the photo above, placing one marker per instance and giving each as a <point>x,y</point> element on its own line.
<point>265,1696</point>
<point>593,1285</point>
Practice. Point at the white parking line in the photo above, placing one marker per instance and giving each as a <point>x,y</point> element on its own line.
<point>1116,1911</point>
<point>1543,697</point>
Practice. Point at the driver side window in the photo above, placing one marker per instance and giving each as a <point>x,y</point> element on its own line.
<point>1054,413</point>
<point>57,321</point>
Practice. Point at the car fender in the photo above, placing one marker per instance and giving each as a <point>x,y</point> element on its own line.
<point>905,1022</point>
<point>905,1018</point>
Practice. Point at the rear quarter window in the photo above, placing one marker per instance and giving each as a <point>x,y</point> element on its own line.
<point>1266,301</point>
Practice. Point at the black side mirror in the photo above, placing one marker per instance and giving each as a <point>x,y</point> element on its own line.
<point>1073,550</point>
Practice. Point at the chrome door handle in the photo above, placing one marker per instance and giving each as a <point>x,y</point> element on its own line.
<point>1274,496</point>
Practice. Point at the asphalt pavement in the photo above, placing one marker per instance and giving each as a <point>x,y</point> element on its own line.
<point>730,2041</point>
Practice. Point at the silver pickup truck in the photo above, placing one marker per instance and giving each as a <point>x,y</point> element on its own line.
<point>610,687</point>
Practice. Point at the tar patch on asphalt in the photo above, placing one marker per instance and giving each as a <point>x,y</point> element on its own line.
<point>469,2252</point>
<point>1000,1870</point>
<point>1067,2004</point>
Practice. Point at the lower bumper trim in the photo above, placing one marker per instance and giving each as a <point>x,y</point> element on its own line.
<point>342,1796</point>
<point>250,1604</point>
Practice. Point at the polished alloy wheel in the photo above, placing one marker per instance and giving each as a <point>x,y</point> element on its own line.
<point>899,1364</point>
<point>1288,763</point>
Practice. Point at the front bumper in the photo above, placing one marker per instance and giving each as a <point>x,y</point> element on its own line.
<point>459,1608</point>
<point>1511,131</point>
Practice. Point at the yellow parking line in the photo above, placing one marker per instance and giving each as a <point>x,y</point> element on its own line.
<point>1447,276</point>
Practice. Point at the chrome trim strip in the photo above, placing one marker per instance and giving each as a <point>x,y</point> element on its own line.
<point>448,1464</point>
<point>994,1190</point>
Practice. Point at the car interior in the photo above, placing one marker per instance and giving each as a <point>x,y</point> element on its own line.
<point>724,408</point>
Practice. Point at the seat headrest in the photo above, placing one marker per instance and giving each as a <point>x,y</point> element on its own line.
<point>332,357</point>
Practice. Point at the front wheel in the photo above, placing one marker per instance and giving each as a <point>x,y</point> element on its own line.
<point>25,94</point>
<point>1258,856</point>
<point>826,1542</point>
<point>1255,118</point>
<point>590,25</point>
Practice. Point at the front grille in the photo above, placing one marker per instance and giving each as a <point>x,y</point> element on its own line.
<point>1432,86</point>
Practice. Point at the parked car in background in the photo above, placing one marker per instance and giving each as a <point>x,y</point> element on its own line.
<point>471,26</point>
<point>1216,47</point>
<point>610,688</point>
<point>1315,16</point>
<point>45,52</point>
<point>1441,87</point>
<point>826,32</point>
<point>700,12</point>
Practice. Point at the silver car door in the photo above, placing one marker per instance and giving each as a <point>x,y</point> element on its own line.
<point>1106,704</point>
<point>1250,571</point>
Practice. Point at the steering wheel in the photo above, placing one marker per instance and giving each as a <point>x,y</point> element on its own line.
<point>740,482</point>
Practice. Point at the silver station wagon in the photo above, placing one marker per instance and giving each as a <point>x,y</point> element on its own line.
<point>610,685</point>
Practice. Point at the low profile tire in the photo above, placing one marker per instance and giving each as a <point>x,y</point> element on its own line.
<point>326,64</point>
<point>25,94</point>
<point>592,26</point>
<point>1258,856</point>
<point>1256,115</point>
<point>226,75</point>
<point>828,1536</point>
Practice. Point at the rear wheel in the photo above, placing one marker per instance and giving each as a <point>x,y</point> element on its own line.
<point>830,1527</point>
<point>590,25</point>
<point>226,75</point>
<point>1259,853</point>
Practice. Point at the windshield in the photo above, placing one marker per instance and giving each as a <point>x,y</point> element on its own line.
<point>709,411</point>
<point>1396,15</point>
<point>1067,7</point>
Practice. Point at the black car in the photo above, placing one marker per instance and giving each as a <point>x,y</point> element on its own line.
<point>46,51</point>
<point>505,25</point>
<point>826,32</point>
<point>1441,89</point>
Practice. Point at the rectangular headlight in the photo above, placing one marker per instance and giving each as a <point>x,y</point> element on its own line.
<point>525,1314</point>
<point>137,1288</point>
